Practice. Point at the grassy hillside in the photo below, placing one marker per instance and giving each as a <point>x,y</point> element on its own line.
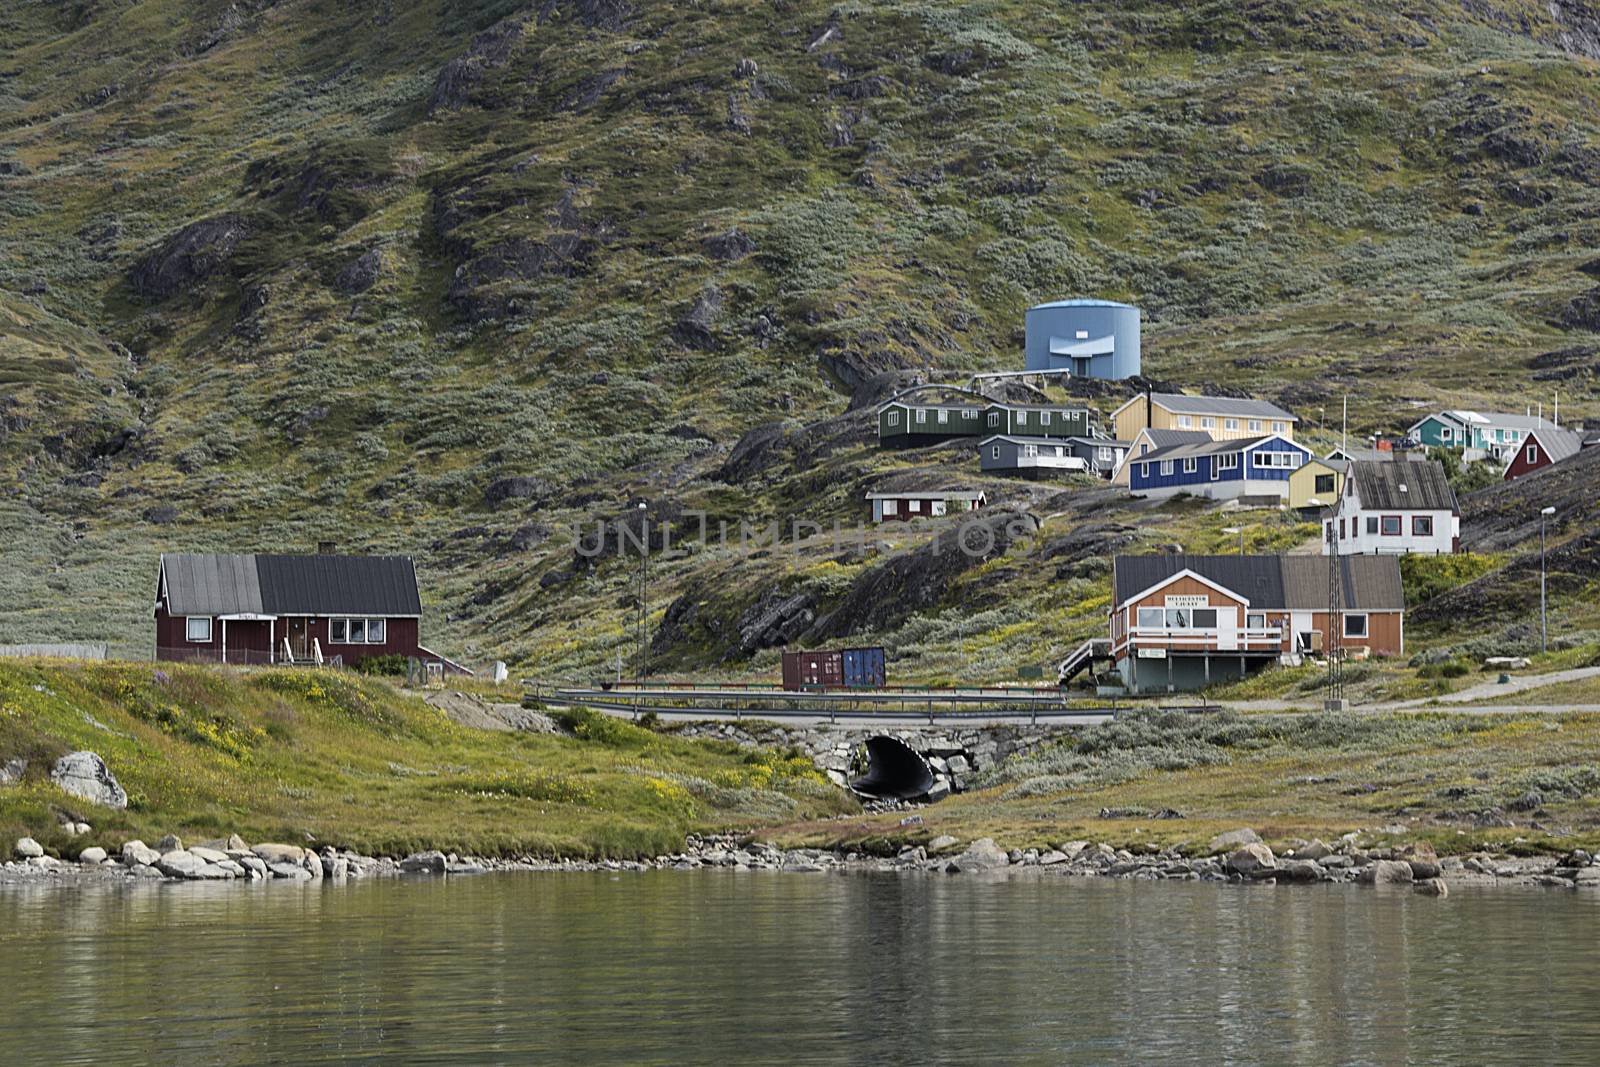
<point>444,278</point>
<point>279,755</point>
<point>1502,783</point>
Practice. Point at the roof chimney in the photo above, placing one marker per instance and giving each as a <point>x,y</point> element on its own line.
<point>326,548</point>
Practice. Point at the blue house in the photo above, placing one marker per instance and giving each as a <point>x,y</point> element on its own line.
<point>1089,338</point>
<point>1219,470</point>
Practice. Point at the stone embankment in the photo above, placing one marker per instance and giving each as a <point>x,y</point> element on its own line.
<point>954,754</point>
<point>1239,857</point>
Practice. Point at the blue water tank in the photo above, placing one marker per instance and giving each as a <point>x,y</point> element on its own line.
<point>1091,338</point>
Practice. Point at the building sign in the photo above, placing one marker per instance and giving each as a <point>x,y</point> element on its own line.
<point>1201,601</point>
<point>1152,653</point>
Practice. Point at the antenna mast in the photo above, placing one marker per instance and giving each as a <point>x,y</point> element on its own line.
<point>1333,700</point>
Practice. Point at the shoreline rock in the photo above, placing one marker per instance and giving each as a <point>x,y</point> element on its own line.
<point>1413,867</point>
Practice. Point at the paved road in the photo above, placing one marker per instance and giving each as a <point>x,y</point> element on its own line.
<point>942,720</point>
<point>1518,683</point>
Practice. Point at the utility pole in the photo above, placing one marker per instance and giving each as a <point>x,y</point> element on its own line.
<point>1544,628</point>
<point>1334,644</point>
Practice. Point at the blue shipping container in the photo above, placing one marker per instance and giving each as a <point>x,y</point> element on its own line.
<point>864,668</point>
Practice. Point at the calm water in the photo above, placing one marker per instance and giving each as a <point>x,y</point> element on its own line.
<point>724,967</point>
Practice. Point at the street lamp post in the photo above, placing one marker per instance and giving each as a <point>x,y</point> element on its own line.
<point>1544,628</point>
<point>644,590</point>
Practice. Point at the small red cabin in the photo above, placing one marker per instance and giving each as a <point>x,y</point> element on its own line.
<point>1542,447</point>
<point>255,609</point>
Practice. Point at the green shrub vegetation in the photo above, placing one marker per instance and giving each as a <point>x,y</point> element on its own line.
<point>336,758</point>
<point>427,286</point>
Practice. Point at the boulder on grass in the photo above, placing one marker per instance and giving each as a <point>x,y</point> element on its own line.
<point>1233,839</point>
<point>86,776</point>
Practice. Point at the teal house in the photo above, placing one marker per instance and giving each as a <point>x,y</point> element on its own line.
<point>1495,434</point>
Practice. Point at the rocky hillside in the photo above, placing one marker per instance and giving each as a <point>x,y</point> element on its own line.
<point>447,277</point>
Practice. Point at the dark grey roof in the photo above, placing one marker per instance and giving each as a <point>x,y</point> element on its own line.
<point>211,584</point>
<point>1257,578</point>
<point>203,584</point>
<point>1417,486</point>
<point>1101,442</point>
<point>1167,438</point>
<point>1371,583</point>
<point>1221,405</point>
<point>1209,447</point>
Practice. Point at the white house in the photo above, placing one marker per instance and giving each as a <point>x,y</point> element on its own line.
<point>1394,509</point>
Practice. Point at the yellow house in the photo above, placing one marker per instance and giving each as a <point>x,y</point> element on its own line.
<point>1321,480</point>
<point>1224,418</point>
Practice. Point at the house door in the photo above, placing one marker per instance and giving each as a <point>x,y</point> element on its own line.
<point>295,631</point>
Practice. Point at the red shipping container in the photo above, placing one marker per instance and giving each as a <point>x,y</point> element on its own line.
<point>809,670</point>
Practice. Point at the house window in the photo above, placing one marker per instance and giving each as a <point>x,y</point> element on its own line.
<point>969,413</point>
<point>1190,466</point>
<point>1030,450</point>
<point>922,415</point>
<point>1060,452</point>
<point>197,628</point>
<point>1144,470</point>
<point>1372,524</point>
<point>994,452</point>
<point>1152,618</point>
<point>1391,526</point>
<point>1184,422</point>
<point>1341,529</point>
<point>1324,483</point>
<point>1278,427</point>
<point>1204,619</point>
<point>1208,423</point>
<point>891,507</point>
<point>994,418</point>
<point>894,418</point>
<point>1166,466</point>
<point>1355,626</point>
<point>1022,418</point>
<point>1255,622</point>
<point>915,505</point>
<point>1255,425</point>
<point>1230,424</point>
<point>1103,455</point>
<point>1533,453</point>
<point>1044,418</point>
<point>357,631</point>
<point>1228,462</point>
<point>944,416</point>
<point>1422,525</point>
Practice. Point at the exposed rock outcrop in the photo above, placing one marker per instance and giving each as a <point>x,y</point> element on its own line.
<point>189,257</point>
<point>917,580</point>
<point>454,84</point>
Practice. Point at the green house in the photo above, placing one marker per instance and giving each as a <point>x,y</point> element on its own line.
<point>1038,420</point>
<point>903,423</point>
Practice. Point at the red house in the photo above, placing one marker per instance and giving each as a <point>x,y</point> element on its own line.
<point>287,609</point>
<point>1542,447</point>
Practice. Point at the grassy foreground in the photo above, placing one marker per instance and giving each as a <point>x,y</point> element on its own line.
<point>1455,780</point>
<point>352,761</point>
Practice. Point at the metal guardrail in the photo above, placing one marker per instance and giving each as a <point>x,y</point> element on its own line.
<point>932,704</point>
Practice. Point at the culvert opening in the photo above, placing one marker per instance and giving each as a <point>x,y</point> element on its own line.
<point>895,771</point>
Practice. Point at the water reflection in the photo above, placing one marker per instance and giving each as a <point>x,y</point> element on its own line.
<point>769,968</point>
